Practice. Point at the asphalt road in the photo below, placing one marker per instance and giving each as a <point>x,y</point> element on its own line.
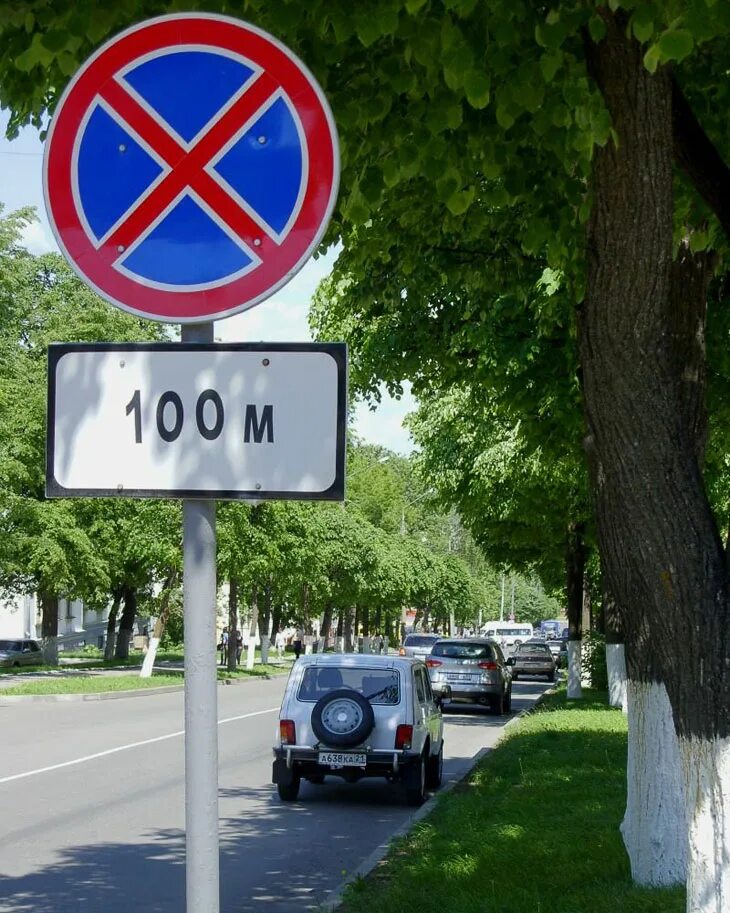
<point>92,806</point>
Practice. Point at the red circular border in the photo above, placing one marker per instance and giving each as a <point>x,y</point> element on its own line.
<point>284,260</point>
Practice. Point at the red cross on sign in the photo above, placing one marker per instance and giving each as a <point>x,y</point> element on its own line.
<point>191,168</point>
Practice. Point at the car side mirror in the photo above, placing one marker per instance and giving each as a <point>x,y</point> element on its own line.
<point>510,660</point>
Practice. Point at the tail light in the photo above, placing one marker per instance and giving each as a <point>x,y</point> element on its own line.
<point>432,663</point>
<point>402,651</point>
<point>288,732</point>
<point>488,665</point>
<point>403,736</point>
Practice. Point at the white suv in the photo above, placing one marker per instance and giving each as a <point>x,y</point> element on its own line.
<point>359,715</point>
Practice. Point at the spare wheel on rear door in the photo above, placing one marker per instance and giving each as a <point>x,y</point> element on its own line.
<point>342,718</point>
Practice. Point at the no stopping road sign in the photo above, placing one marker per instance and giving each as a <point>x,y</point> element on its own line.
<point>191,168</point>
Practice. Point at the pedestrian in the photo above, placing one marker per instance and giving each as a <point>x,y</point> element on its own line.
<point>223,646</point>
<point>280,643</point>
<point>239,646</point>
<point>297,642</point>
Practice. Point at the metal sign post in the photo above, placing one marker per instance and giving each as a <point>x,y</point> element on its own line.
<point>201,692</point>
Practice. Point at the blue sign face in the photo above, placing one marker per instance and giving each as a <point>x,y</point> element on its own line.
<point>188,104</point>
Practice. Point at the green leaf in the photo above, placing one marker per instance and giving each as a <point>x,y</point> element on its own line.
<point>504,117</point>
<point>597,28</point>
<point>413,6</point>
<point>550,63</point>
<point>459,202</point>
<point>477,86</point>
<point>675,44</point>
<point>651,58</point>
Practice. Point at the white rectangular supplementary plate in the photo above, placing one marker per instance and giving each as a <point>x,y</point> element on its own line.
<point>343,759</point>
<point>197,420</point>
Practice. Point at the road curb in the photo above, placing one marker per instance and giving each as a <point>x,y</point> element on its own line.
<point>333,903</point>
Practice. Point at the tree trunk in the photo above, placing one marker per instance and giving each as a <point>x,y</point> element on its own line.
<point>340,635</point>
<point>324,631</point>
<point>251,653</point>
<point>233,624</point>
<point>661,549</point>
<point>49,627</point>
<point>111,625</point>
<point>575,562</point>
<point>126,624</point>
<point>264,621</point>
<point>156,634</point>
<point>365,620</point>
<point>348,626</point>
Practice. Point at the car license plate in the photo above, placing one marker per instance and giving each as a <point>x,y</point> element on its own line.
<point>458,677</point>
<point>343,759</point>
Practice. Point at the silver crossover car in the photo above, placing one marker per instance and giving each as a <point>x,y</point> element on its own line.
<point>473,670</point>
<point>20,653</point>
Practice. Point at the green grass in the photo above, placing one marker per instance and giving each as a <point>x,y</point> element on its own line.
<point>258,670</point>
<point>91,684</point>
<point>533,830</point>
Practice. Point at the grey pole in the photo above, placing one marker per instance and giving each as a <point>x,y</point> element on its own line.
<point>201,695</point>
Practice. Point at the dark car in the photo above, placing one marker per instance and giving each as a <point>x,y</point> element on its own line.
<point>473,669</point>
<point>20,653</point>
<point>534,657</point>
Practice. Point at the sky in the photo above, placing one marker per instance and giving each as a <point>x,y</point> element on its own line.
<point>281,318</point>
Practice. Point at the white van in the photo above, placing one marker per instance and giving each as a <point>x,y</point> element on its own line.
<point>508,633</point>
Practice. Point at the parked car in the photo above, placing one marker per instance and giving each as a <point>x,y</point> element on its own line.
<point>472,670</point>
<point>20,653</point>
<point>533,658</point>
<point>359,715</point>
<point>418,645</point>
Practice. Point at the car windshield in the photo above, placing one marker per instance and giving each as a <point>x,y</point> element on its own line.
<point>541,649</point>
<point>10,645</point>
<point>379,686</point>
<point>453,650</point>
<point>418,640</point>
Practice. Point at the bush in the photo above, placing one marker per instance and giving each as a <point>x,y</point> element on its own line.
<point>593,660</point>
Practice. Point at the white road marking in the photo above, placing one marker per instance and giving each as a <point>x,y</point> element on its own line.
<point>103,754</point>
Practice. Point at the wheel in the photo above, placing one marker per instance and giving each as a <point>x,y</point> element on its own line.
<point>288,792</point>
<point>416,783</point>
<point>514,676</point>
<point>508,701</point>
<point>498,704</point>
<point>16,665</point>
<point>553,676</point>
<point>435,768</point>
<point>318,779</point>
<point>342,718</point>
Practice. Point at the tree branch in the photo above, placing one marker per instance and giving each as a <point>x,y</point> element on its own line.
<point>699,159</point>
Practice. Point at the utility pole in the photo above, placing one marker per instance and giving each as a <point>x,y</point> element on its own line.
<point>512,612</point>
<point>501,605</point>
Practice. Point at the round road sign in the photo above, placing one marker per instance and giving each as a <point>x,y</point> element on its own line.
<point>191,168</point>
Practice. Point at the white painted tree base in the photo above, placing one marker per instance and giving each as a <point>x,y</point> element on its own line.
<point>149,659</point>
<point>654,828</point>
<point>616,666</point>
<point>251,652</point>
<point>574,690</point>
<point>706,771</point>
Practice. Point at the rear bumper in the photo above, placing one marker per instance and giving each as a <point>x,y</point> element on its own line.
<point>460,691</point>
<point>302,761</point>
<point>532,670</point>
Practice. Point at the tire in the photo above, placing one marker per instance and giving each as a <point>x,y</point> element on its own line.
<point>514,677</point>
<point>318,779</point>
<point>416,784</point>
<point>497,703</point>
<point>435,768</point>
<point>553,677</point>
<point>16,665</point>
<point>343,718</point>
<point>289,792</point>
